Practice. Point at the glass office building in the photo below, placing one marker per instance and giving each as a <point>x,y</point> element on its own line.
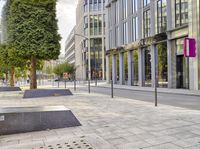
<point>151,34</point>
<point>90,39</point>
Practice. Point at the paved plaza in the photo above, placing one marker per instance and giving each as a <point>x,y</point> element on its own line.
<point>107,123</point>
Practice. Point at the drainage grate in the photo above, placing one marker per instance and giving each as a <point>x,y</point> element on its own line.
<point>73,144</point>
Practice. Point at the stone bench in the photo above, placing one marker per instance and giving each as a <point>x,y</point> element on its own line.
<point>27,119</point>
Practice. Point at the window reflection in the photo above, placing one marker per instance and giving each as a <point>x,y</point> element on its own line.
<point>162,65</point>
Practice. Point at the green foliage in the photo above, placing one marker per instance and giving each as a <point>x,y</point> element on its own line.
<point>32,29</point>
<point>64,67</point>
<point>49,70</point>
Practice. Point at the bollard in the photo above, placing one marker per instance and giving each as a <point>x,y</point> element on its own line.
<point>89,86</point>
<point>95,81</point>
<point>112,93</point>
<point>156,96</point>
<point>74,84</point>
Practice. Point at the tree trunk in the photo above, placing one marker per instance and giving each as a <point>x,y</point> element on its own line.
<point>12,76</point>
<point>33,83</point>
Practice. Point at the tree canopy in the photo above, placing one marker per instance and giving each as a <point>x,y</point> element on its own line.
<point>32,29</point>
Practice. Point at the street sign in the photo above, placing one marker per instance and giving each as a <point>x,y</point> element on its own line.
<point>189,47</point>
<point>65,75</point>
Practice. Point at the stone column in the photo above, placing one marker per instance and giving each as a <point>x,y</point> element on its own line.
<point>121,68</point>
<point>107,69</point>
<point>141,66</point>
<point>130,68</point>
<point>114,68</point>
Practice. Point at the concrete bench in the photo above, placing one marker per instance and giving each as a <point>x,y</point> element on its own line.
<point>27,119</point>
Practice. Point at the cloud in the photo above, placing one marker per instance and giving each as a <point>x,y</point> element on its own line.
<point>66,14</point>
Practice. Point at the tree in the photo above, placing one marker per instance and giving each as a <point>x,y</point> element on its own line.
<point>64,67</point>
<point>33,32</point>
<point>8,57</point>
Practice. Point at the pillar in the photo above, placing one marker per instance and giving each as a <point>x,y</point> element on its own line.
<point>130,68</point>
<point>141,67</point>
<point>107,69</point>
<point>114,68</point>
<point>121,68</point>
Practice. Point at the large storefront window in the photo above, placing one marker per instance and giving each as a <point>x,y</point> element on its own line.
<point>126,66</point>
<point>181,12</point>
<point>162,15</point>
<point>147,23</point>
<point>147,66</point>
<point>96,58</point>
<point>182,67</point>
<point>135,68</point>
<point>162,65</point>
<point>96,25</point>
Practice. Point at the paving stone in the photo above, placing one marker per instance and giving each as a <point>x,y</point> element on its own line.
<point>110,124</point>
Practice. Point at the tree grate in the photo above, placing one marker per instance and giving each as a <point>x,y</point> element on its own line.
<point>74,144</point>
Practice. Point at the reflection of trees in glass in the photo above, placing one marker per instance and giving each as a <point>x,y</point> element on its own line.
<point>147,67</point>
<point>162,63</point>
<point>126,65</point>
<point>135,59</point>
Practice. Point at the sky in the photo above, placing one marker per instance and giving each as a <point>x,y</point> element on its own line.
<point>66,15</point>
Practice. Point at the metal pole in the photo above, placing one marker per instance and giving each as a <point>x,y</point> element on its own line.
<point>188,73</point>
<point>112,93</point>
<point>88,85</point>
<point>156,80</point>
<point>74,83</point>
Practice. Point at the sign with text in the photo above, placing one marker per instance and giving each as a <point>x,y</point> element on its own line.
<point>189,47</point>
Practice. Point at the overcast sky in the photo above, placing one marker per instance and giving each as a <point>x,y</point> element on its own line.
<point>66,14</point>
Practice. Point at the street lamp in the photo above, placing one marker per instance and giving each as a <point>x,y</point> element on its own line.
<point>86,38</point>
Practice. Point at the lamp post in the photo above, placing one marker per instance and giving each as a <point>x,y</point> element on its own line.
<point>86,38</point>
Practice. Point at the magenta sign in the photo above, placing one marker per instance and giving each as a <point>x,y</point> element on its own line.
<point>189,47</point>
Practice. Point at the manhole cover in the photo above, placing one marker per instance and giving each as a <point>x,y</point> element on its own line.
<point>72,144</point>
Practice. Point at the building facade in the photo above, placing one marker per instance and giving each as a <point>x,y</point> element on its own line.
<point>90,39</point>
<point>70,48</point>
<point>145,43</point>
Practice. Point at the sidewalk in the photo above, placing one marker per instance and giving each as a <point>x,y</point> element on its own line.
<point>150,89</point>
<point>107,123</point>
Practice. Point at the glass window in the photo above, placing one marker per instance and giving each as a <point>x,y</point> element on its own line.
<point>95,5</point>
<point>91,5</point>
<point>117,12</point>
<point>125,8</point>
<point>95,24</point>
<point>146,2</point>
<point>135,28</point>
<point>91,25</point>
<point>181,12</point>
<point>100,24</point>
<point>161,16</point>
<point>147,23</point>
<point>162,65</point>
<point>85,25</point>
<point>147,66</point>
<point>134,6</point>
<point>85,5</point>
<point>99,5</point>
<point>125,33</point>
<point>135,68</point>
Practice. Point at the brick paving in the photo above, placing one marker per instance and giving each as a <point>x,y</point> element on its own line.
<point>118,123</point>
